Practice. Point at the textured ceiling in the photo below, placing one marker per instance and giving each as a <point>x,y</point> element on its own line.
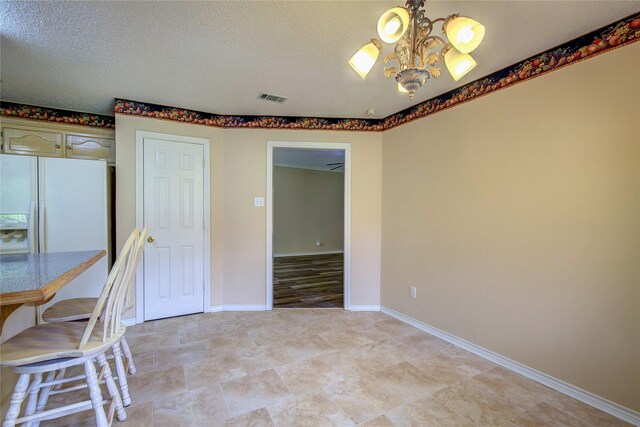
<point>217,56</point>
<point>308,158</point>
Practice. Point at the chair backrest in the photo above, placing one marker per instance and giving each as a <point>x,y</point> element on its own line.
<point>130,296</point>
<point>110,289</point>
<point>126,289</point>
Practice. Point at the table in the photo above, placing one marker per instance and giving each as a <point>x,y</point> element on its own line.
<point>35,278</point>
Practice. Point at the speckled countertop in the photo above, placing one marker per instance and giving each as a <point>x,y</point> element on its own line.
<point>27,272</point>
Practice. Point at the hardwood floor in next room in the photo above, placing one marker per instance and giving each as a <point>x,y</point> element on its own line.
<point>308,281</point>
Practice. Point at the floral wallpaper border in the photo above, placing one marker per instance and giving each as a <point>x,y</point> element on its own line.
<point>617,34</point>
<point>32,112</point>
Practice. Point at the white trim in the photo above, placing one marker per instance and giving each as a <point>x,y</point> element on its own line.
<point>206,143</point>
<point>311,168</point>
<point>347,213</point>
<point>589,398</point>
<point>307,253</point>
<point>365,307</point>
<point>237,307</point>
<point>129,322</point>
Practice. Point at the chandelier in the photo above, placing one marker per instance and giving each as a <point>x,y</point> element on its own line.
<point>416,50</point>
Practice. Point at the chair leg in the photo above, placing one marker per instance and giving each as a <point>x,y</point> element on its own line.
<point>122,376</point>
<point>19,393</point>
<point>44,396</point>
<point>60,376</point>
<point>95,393</point>
<point>127,354</point>
<point>112,387</point>
<point>34,388</point>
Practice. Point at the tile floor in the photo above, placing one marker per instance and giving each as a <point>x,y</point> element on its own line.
<point>324,367</point>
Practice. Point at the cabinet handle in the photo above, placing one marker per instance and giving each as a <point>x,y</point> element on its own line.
<point>57,145</point>
<point>150,239</point>
<point>68,147</point>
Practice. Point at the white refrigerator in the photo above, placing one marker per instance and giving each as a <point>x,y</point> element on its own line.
<point>56,205</point>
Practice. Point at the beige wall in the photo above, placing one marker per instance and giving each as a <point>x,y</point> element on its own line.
<point>245,225</point>
<point>517,217</point>
<point>238,229</point>
<point>126,127</point>
<point>308,206</point>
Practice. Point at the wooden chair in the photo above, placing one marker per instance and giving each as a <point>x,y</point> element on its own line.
<point>75,309</point>
<point>38,352</point>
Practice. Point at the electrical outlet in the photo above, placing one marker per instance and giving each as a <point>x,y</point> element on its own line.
<point>413,292</point>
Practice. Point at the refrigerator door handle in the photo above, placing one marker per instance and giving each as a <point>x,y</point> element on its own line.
<point>32,228</point>
<point>43,227</point>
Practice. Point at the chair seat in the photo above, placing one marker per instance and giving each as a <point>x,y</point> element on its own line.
<point>69,310</point>
<point>54,341</point>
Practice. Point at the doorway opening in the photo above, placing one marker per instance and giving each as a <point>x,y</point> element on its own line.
<point>308,209</point>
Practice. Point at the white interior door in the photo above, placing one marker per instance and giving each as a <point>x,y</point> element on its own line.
<point>174,214</point>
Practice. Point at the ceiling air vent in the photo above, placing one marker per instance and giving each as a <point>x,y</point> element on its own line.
<point>272,98</point>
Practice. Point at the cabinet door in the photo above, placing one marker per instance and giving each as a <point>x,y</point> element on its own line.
<point>32,142</point>
<point>89,147</point>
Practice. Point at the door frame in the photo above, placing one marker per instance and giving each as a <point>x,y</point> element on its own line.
<point>347,212</point>
<point>206,143</point>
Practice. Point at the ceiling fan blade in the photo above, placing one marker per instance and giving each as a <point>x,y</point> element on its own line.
<point>337,167</point>
<point>332,164</point>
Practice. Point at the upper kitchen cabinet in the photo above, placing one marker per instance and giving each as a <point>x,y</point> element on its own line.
<point>90,147</point>
<point>33,138</point>
<point>31,142</point>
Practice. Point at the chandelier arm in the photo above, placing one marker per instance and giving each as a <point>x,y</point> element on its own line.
<point>441,19</point>
<point>413,36</point>
<point>440,39</point>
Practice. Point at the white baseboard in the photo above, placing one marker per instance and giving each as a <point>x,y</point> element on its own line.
<point>238,307</point>
<point>364,307</point>
<point>589,398</point>
<point>307,253</point>
<point>129,322</point>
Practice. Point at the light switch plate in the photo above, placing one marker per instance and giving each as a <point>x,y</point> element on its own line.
<point>258,201</point>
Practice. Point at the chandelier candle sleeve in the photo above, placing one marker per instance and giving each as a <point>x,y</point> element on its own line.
<point>364,59</point>
<point>393,24</point>
<point>416,50</point>
<point>458,63</point>
<point>465,34</point>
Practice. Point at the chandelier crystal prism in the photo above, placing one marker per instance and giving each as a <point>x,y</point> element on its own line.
<point>417,51</point>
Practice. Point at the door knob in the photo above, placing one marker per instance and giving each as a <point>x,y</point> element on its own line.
<point>150,239</point>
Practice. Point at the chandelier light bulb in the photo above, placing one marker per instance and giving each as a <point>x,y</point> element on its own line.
<point>392,26</point>
<point>364,59</point>
<point>466,34</point>
<point>464,66</point>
